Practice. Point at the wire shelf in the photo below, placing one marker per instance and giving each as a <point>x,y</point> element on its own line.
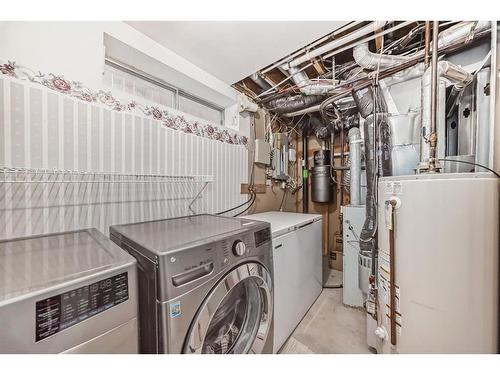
<point>35,175</point>
<point>185,187</point>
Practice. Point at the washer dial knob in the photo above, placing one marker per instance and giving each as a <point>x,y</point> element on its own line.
<point>239,248</point>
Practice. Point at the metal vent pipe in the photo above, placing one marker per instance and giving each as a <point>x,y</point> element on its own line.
<point>355,167</point>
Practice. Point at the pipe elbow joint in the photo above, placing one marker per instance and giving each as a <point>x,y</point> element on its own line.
<point>381,333</point>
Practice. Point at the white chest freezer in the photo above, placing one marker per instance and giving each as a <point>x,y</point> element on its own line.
<point>73,292</point>
<point>297,266</point>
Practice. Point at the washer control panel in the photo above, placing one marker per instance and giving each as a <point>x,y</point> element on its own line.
<point>239,248</point>
<point>188,267</point>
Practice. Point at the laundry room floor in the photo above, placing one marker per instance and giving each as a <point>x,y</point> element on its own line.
<point>329,327</point>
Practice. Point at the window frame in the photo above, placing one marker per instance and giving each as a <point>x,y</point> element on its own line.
<point>118,65</point>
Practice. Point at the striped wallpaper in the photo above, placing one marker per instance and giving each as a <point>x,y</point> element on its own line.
<point>41,128</point>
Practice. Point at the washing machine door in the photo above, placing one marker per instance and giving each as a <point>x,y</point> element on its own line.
<point>236,316</point>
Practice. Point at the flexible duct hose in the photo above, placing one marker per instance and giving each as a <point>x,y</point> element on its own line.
<point>366,101</point>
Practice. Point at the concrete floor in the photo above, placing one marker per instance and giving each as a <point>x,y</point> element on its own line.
<point>329,327</point>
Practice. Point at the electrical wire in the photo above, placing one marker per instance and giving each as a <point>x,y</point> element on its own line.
<point>333,287</point>
<point>471,163</point>
<point>254,197</point>
<point>236,207</point>
<point>376,148</point>
<point>283,200</point>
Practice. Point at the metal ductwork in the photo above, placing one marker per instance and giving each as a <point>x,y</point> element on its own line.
<point>293,103</point>
<point>462,32</point>
<point>355,140</point>
<point>370,60</point>
<point>364,98</point>
<point>259,81</point>
<point>308,86</point>
<point>319,128</point>
<point>455,74</point>
<point>459,77</point>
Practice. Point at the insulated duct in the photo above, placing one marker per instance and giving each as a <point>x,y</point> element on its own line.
<point>259,81</point>
<point>293,103</point>
<point>370,60</point>
<point>365,99</point>
<point>461,32</point>
<point>355,140</point>
<point>308,86</point>
<point>319,128</point>
<point>377,156</point>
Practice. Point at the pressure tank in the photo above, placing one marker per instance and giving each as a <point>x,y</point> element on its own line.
<point>321,182</point>
<point>446,261</point>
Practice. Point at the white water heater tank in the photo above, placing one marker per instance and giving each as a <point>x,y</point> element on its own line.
<point>446,256</point>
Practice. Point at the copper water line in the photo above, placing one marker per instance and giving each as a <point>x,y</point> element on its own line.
<point>392,278</point>
<point>342,156</point>
<point>427,42</point>
<point>433,138</point>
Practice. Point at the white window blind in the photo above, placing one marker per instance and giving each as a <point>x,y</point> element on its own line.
<point>127,79</point>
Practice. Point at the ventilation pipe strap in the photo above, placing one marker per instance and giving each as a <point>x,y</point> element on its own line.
<point>472,33</point>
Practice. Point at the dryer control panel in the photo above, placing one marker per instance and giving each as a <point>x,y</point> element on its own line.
<point>188,267</point>
<point>62,311</point>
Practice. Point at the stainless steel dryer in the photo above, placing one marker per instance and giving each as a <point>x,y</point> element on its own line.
<point>72,292</point>
<point>205,284</point>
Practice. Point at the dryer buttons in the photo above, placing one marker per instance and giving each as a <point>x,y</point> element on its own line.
<point>239,248</point>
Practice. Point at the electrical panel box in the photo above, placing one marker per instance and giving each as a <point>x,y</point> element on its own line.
<point>262,152</point>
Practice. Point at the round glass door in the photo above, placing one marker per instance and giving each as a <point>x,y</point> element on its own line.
<point>234,324</point>
<point>235,317</point>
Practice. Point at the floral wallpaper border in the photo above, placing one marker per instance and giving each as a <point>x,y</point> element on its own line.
<point>79,91</point>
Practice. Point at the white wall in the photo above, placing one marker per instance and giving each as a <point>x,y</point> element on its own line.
<point>43,129</point>
<point>76,50</point>
<point>40,128</point>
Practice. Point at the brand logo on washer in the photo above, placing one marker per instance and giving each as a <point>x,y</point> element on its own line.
<point>175,309</point>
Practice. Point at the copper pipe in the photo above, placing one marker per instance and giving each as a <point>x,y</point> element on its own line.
<point>427,42</point>
<point>434,97</point>
<point>392,281</point>
<point>342,161</point>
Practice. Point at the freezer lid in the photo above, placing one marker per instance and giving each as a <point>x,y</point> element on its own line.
<point>33,264</point>
<point>284,222</point>
<point>163,236</point>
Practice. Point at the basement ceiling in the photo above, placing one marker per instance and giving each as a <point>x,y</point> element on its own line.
<point>232,50</point>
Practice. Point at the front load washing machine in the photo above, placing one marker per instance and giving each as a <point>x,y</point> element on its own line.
<point>205,284</point>
<point>72,292</point>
